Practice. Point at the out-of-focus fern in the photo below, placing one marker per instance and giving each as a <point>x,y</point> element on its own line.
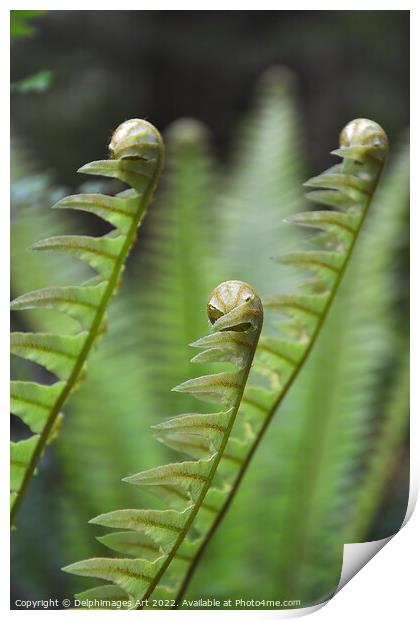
<point>328,443</point>
<point>347,190</point>
<point>385,453</point>
<point>138,154</point>
<point>157,537</point>
<point>263,184</point>
<point>176,261</point>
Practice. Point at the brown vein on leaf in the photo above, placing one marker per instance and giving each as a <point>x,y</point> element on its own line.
<point>347,181</point>
<point>128,573</point>
<point>180,475</point>
<point>312,261</point>
<point>211,425</point>
<point>68,300</point>
<point>333,222</point>
<point>29,401</point>
<point>38,347</point>
<point>75,246</point>
<point>18,463</point>
<point>253,403</point>
<point>282,356</point>
<point>153,523</point>
<point>107,207</point>
<point>290,304</point>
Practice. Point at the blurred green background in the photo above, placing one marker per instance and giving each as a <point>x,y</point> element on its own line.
<point>268,92</point>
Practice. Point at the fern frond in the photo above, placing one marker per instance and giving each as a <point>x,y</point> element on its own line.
<point>329,425</point>
<point>234,308</point>
<point>328,433</point>
<point>263,182</point>
<point>137,149</point>
<point>351,185</point>
<point>146,341</point>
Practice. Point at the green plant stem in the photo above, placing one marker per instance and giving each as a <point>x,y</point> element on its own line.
<point>275,405</point>
<point>212,472</point>
<point>90,339</point>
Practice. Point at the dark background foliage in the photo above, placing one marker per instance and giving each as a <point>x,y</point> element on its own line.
<point>162,65</point>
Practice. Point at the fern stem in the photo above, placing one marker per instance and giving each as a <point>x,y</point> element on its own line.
<point>276,403</point>
<point>90,339</point>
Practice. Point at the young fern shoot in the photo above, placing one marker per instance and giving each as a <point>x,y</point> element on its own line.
<point>156,538</point>
<point>136,149</point>
<point>346,190</point>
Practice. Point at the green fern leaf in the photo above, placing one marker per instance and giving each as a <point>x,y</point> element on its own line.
<point>81,303</point>
<point>234,306</point>
<point>65,355</point>
<point>118,211</point>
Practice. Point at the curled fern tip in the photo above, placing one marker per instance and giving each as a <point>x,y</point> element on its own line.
<point>135,139</point>
<point>233,300</point>
<point>367,133</point>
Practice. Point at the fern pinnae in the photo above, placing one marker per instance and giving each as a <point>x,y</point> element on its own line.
<point>347,190</point>
<point>235,310</point>
<point>137,151</point>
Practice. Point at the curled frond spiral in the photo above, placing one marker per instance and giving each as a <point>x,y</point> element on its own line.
<point>135,139</point>
<point>235,300</point>
<point>363,132</point>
